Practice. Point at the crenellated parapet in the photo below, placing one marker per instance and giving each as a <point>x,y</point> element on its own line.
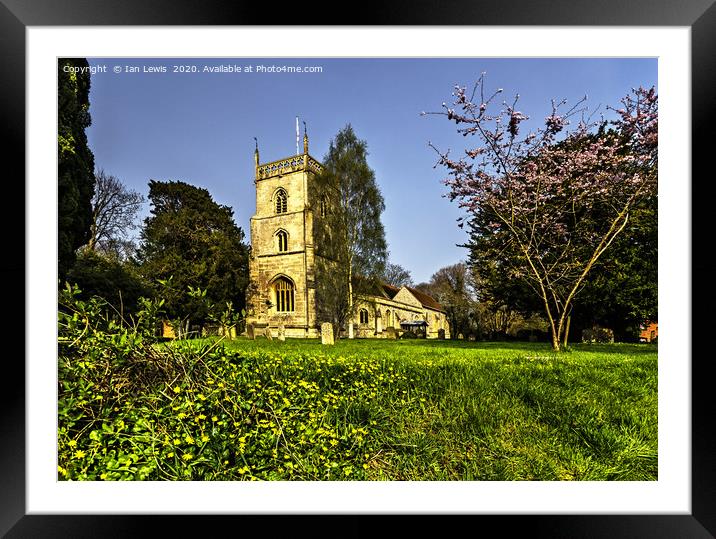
<point>314,165</point>
<point>297,163</point>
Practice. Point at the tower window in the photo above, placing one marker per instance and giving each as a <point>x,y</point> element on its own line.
<point>324,207</point>
<point>363,316</point>
<point>281,201</point>
<point>284,295</point>
<point>282,240</point>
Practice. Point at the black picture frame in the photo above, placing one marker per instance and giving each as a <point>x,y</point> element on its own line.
<point>699,15</point>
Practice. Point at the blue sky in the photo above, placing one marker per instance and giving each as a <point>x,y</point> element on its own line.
<point>199,127</point>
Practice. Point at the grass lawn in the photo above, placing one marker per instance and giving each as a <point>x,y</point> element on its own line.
<point>493,411</point>
<point>359,410</point>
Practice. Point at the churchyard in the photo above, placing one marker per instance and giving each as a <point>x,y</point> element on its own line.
<point>242,409</point>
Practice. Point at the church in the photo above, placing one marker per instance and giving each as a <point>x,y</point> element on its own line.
<point>282,265</point>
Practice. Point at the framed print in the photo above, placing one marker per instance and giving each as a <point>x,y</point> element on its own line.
<point>668,491</point>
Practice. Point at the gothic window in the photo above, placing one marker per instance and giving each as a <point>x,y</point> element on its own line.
<point>284,295</point>
<point>363,314</point>
<point>281,201</point>
<point>388,319</point>
<point>282,240</point>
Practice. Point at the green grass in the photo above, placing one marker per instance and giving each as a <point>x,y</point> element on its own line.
<point>499,411</point>
<point>358,410</point>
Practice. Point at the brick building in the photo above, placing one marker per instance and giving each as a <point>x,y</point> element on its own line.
<point>649,332</point>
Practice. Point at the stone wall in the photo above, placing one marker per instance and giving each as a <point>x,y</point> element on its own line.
<point>392,312</point>
<point>267,264</point>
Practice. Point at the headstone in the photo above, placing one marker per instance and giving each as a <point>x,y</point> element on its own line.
<point>250,331</point>
<point>350,330</point>
<point>281,332</point>
<point>327,333</point>
<point>390,333</point>
<point>267,333</point>
<point>441,334</point>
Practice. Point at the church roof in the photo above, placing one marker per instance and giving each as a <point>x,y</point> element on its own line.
<point>427,301</point>
<point>390,290</point>
<point>424,299</point>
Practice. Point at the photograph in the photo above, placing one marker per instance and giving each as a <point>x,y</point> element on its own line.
<point>439,269</point>
<point>406,268</point>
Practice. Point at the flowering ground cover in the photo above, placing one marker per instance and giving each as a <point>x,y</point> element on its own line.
<point>360,410</point>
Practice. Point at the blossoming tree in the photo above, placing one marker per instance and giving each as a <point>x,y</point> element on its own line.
<point>558,196</point>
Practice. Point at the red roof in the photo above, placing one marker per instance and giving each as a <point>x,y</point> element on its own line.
<point>390,290</point>
<point>424,299</point>
<point>427,301</point>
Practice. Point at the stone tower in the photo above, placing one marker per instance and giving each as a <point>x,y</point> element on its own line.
<point>281,264</point>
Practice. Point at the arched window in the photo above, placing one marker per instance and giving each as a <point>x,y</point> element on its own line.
<point>388,319</point>
<point>281,201</point>
<point>282,241</point>
<point>284,295</point>
<point>363,314</point>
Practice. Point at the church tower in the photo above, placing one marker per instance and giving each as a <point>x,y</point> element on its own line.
<point>282,260</point>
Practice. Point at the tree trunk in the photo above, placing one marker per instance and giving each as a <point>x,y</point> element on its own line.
<point>566,331</point>
<point>555,340</point>
<point>350,298</point>
<point>553,331</point>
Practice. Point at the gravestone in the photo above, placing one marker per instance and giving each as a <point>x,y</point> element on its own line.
<point>250,331</point>
<point>441,334</point>
<point>267,333</point>
<point>327,333</point>
<point>390,333</point>
<point>281,332</point>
